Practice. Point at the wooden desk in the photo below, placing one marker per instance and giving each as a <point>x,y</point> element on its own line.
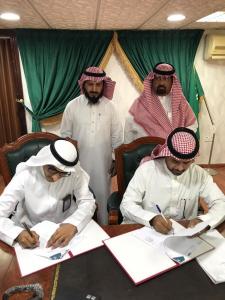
<point>9,270</point>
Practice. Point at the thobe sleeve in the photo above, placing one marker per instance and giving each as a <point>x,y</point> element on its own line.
<point>190,119</point>
<point>116,129</point>
<point>131,205</point>
<point>194,126</point>
<point>66,129</point>
<point>85,202</point>
<point>13,193</point>
<point>128,130</point>
<point>132,130</point>
<point>215,200</point>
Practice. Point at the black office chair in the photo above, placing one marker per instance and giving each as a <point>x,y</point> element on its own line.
<point>128,157</point>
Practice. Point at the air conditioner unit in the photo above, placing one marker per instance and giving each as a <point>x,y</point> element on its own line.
<point>214,47</point>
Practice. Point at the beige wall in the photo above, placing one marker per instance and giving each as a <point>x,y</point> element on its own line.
<point>212,76</point>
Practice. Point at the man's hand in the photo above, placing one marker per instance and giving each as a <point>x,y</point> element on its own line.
<point>112,170</point>
<point>194,222</point>
<point>161,225</point>
<point>27,241</point>
<point>62,236</point>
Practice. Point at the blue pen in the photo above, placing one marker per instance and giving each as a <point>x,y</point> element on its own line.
<point>159,210</point>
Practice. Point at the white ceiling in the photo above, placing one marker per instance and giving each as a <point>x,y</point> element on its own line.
<point>110,14</point>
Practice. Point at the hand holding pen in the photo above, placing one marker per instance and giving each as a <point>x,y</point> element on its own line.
<point>161,223</point>
<point>28,238</point>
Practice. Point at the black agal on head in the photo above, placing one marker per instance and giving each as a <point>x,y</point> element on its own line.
<point>161,72</point>
<point>60,158</point>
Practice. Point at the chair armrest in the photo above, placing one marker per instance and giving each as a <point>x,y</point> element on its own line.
<point>113,207</point>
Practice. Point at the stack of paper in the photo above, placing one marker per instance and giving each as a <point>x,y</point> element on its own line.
<point>32,260</point>
<point>213,263</point>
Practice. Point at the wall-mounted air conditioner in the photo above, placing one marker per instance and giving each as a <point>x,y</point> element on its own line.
<point>214,47</point>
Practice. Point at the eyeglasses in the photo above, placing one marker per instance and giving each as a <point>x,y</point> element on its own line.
<point>52,170</point>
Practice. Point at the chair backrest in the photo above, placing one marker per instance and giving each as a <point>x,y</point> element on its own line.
<point>128,157</point>
<point>21,150</point>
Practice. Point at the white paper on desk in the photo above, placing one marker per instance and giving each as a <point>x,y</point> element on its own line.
<point>182,249</point>
<point>139,259</point>
<point>191,231</point>
<point>155,238</point>
<point>178,246</point>
<point>90,238</point>
<point>49,252</point>
<point>213,263</point>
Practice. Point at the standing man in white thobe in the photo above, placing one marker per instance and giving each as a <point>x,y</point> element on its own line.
<point>93,121</point>
<point>49,186</point>
<point>171,183</point>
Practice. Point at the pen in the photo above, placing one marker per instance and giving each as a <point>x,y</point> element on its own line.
<point>159,210</point>
<point>28,229</point>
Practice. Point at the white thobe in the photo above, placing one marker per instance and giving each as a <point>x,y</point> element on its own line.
<point>98,130</point>
<point>133,130</point>
<point>177,196</point>
<point>37,199</point>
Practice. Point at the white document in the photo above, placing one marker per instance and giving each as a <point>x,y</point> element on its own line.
<point>213,263</point>
<point>179,245</point>
<point>182,249</point>
<point>191,231</point>
<point>155,238</point>
<point>145,253</point>
<point>32,260</point>
<point>139,259</point>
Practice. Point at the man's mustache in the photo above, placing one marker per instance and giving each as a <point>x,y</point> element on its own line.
<point>161,87</point>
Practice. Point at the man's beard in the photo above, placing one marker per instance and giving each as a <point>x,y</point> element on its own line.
<point>92,99</point>
<point>161,90</point>
<point>176,172</point>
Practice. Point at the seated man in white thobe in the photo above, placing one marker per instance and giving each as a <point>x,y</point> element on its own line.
<point>49,186</point>
<point>160,108</point>
<point>172,182</point>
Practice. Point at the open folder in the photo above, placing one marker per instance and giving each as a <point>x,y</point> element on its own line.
<point>145,253</point>
<point>32,260</point>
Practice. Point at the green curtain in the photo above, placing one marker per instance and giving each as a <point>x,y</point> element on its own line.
<point>144,49</point>
<point>53,61</point>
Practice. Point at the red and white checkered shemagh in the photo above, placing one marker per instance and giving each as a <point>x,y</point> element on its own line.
<point>149,113</point>
<point>109,85</point>
<point>182,142</point>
